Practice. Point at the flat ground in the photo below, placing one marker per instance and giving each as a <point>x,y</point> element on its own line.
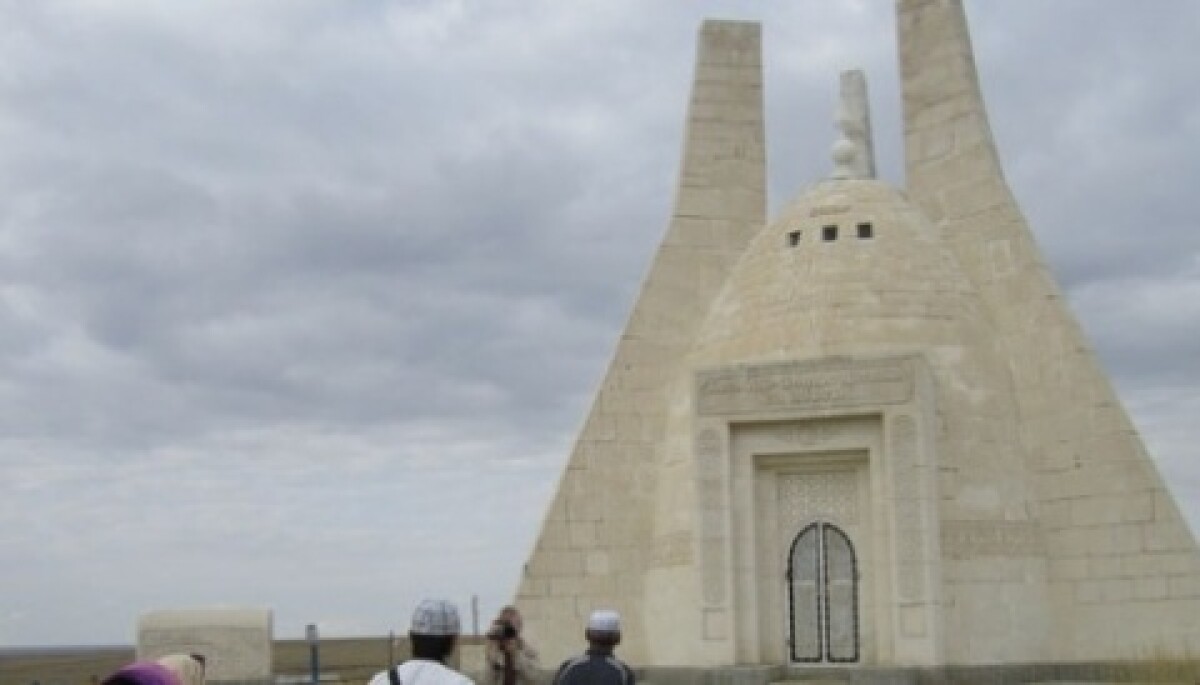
<point>354,660</point>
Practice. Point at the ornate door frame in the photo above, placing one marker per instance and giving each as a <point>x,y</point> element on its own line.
<point>754,421</point>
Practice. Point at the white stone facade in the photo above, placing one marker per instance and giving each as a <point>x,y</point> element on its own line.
<point>869,432</point>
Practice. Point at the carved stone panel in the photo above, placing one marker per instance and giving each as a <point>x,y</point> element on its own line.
<point>805,385</point>
<point>674,549</point>
<point>709,455</point>
<point>714,560</point>
<point>804,497</point>
<point>806,434</point>
<point>712,484</point>
<point>973,539</point>
<point>910,527</point>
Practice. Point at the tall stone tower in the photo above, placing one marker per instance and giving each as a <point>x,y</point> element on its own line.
<point>868,432</point>
<point>597,540</point>
<point>1123,573</point>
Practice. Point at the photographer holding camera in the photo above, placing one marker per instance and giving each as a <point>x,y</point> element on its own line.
<point>510,659</point>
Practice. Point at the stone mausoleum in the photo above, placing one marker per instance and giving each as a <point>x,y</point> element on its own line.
<point>868,431</point>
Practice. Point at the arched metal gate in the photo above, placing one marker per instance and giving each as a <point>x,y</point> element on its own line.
<point>823,596</point>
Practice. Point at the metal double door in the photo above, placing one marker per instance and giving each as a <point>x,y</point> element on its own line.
<point>822,581</point>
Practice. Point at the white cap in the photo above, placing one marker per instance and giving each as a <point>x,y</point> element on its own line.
<point>435,617</point>
<point>604,621</point>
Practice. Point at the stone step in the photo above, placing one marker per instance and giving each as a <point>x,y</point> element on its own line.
<point>847,676</point>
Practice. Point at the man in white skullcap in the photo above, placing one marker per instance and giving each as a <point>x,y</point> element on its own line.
<point>598,665</point>
<point>434,631</point>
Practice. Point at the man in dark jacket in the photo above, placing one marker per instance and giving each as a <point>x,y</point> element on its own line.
<point>598,666</point>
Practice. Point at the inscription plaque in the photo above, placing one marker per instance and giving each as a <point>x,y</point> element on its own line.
<point>804,385</point>
<point>809,435</point>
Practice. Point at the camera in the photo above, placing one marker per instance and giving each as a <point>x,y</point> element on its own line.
<point>502,630</point>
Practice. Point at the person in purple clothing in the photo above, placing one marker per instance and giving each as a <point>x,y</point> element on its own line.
<point>142,673</point>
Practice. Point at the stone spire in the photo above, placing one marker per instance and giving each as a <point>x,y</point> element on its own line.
<point>947,138</point>
<point>1085,455</point>
<point>590,549</point>
<point>854,120</point>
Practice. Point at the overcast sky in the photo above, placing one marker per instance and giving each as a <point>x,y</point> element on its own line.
<point>302,303</point>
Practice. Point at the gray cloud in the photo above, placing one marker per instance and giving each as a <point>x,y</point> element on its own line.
<point>303,308</point>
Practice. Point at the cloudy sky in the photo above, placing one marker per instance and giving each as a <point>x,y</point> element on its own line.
<point>301,303</point>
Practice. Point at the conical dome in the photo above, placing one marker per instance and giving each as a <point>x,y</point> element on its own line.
<point>849,268</point>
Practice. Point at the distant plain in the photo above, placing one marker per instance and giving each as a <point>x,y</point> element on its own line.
<point>352,660</point>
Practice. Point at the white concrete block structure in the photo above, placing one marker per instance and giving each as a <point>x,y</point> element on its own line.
<point>868,432</point>
<point>236,643</point>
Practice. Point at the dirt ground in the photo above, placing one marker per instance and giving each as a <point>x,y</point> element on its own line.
<point>352,660</point>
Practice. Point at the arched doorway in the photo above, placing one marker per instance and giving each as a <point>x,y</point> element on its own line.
<point>823,596</point>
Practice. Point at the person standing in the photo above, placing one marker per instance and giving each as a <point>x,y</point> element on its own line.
<point>510,659</point>
<point>433,635</point>
<point>598,665</point>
